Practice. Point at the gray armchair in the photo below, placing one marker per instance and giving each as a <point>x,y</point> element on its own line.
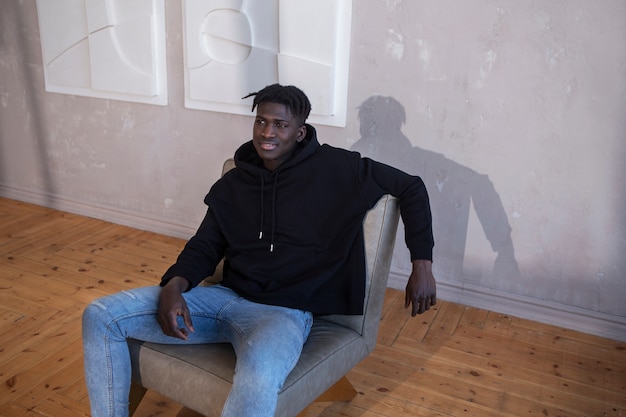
<point>200,376</point>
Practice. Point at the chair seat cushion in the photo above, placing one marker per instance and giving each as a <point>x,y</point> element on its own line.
<point>182,370</point>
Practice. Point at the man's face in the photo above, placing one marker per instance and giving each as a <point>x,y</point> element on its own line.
<point>275,134</point>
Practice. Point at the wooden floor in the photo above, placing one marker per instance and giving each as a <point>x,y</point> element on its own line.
<point>452,361</point>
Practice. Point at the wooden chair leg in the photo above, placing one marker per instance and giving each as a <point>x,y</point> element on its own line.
<point>136,394</point>
<point>341,391</point>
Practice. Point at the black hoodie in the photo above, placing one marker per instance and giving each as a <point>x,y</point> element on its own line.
<point>293,236</point>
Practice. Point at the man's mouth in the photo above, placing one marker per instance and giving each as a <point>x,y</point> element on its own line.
<point>267,146</point>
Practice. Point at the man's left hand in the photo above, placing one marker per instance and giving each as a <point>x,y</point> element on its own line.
<point>421,290</point>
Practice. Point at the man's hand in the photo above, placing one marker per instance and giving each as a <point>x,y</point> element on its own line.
<point>421,290</point>
<point>171,305</point>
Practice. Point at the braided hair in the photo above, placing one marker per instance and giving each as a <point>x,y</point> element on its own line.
<point>290,96</point>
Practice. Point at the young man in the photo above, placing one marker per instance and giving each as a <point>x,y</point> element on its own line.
<point>288,223</point>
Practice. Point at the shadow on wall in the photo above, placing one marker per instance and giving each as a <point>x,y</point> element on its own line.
<point>32,83</point>
<point>453,189</point>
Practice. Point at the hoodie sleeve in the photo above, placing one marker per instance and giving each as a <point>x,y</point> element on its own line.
<point>201,254</point>
<point>378,179</point>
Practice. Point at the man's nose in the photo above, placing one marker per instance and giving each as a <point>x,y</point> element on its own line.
<point>268,131</point>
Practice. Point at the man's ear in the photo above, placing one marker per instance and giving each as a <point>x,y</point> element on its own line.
<point>301,133</point>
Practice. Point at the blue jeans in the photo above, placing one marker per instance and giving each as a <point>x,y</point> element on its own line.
<point>267,340</point>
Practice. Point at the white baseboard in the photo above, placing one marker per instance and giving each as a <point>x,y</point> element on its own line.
<point>575,318</point>
<point>106,213</point>
<point>569,317</point>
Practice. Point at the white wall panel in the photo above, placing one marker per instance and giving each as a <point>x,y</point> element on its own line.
<point>233,48</point>
<point>111,49</point>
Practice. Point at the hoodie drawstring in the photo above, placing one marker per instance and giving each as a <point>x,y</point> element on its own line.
<point>273,213</point>
<point>273,219</point>
<point>262,208</point>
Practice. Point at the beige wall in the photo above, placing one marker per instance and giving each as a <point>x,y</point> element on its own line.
<point>514,115</point>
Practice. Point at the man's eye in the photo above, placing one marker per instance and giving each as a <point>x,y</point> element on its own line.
<point>281,125</point>
<point>260,122</point>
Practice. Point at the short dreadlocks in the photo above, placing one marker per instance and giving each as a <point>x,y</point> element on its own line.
<point>288,95</point>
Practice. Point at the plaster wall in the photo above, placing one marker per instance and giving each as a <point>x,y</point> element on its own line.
<point>512,112</point>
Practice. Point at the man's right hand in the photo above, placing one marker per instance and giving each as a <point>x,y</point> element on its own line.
<point>171,305</point>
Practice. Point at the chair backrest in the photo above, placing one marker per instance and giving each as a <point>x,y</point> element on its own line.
<point>228,165</point>
<point>379,229</point>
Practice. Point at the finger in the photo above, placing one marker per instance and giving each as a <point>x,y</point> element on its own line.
<point>169,325</point>
<point>178,332</point>
<point>187,320</point>
<point>421,305</point>
<point>416,308</point>
<point>407,299</point>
